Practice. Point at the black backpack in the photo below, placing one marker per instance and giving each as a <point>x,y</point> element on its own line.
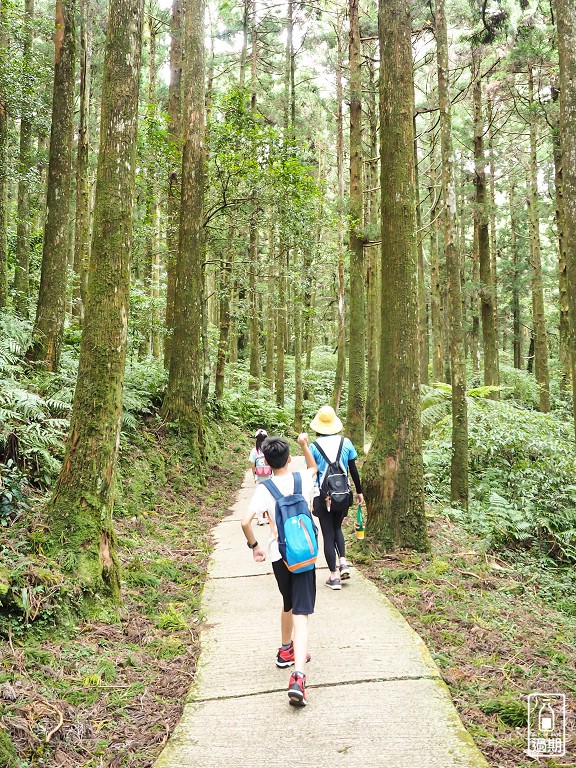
<point>335,483</point>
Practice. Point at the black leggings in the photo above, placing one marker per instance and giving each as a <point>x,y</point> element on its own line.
<point>331,525</point>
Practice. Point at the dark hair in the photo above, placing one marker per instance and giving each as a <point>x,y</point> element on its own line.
<point>261,435</point>
<point>276,451</point>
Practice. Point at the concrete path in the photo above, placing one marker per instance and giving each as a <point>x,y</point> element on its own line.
<point>375,696</point>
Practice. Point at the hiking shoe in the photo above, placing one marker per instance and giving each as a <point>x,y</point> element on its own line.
<point>344,572</point>
<point>297,690</point>
<point>285,658</point>
<point>334,583</point>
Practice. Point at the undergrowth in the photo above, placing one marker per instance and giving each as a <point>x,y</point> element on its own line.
<point>498,626</point>
<point>107,690</point>
<point>522,473</point>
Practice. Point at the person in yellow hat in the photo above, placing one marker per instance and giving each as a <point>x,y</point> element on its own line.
<point>328,450</point>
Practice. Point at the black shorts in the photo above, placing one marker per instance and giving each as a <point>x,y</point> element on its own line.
<point>298,590</point>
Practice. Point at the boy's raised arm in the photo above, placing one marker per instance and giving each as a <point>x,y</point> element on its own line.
<point>302,441</point>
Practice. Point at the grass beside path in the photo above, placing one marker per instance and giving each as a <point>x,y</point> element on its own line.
<point>109,692</point>
<point>493,627</point>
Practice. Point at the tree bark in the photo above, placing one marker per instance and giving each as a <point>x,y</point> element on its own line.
<point>356,403</point>
<point>254,319</point>
<point>566,29</point>
<point>516,334</point>
<point>422,303</point>
<point>3,160</point>
<point>538,317</point>
<point>80,512</point>
<point>494,253</point>
<point>459,459</point>
<point>281,326</point>
<point>563,299</point>
<point>50,313</point>
<point>437,309</point>
<point>341,330</point>
<point>22,265</point>
<point>271,315</point>
<point>481,225</point>
<point>393,471</point>
<point>175,149</point>
<point>373,329</point>
<point>183,399</point>
<point>82,216</point>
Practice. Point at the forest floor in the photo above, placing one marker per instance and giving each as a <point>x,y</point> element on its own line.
<point>492,626</point>
<point>109,692</point>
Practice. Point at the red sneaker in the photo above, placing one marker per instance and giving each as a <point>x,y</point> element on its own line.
<point>297,690</point>
<point>286,658</point>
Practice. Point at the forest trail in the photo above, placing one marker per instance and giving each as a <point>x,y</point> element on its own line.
<point>376,697</point>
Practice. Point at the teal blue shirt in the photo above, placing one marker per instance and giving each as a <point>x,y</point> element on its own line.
<point>329,444</point>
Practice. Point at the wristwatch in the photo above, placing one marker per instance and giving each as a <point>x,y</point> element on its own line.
<point>252,546</point>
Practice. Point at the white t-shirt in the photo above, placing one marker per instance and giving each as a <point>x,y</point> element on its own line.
<point>263,501</point>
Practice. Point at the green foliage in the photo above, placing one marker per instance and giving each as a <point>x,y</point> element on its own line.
<point>510,711</point>
<point>522,466</point>
<point>13,498</point>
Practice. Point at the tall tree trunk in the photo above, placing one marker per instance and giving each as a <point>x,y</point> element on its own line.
<point>50,312</point>
<point>183,399</point>
<point>481,223</point>
<point>223,315</point>
<point>474,303</point>
<point>516,335</point>
<point>82,217</point>
<point>538,317</point>
<point>281,327</point>
<point>271,314</point>
<point>566,28</point>
<point>174,145</point>
<point>341,344</point>
<point>393,470</point>
<point>151,219</point>
<point>422,303</point>
<point>3,159</point>
<point>493,238</point>
<point>437,320</point>
<point>22,266</point>
<point>80,512</point>
<point>356,404</point>
<point>459,460</point>
<point>563,300</point>
<point>373,329</point>
<point>298,391</point>
<point>254,319</point>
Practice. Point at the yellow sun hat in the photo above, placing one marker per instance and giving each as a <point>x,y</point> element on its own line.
<point>326,422</point>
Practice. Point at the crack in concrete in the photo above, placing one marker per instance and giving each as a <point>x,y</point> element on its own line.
<point>395,679</point>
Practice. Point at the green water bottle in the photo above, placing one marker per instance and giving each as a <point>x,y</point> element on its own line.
<point>359,526</point>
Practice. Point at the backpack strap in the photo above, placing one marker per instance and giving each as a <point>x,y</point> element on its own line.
<point>273,488</point>
<point>326,459</point>
<point>297,482</point>
<point>339,451</point>
<point>322,452</point>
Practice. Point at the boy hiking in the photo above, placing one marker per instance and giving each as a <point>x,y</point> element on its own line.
<point>296,581</point>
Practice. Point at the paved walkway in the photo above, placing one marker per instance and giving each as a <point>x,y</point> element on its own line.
<point>375,696</point>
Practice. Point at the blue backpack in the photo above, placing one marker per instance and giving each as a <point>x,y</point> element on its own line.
<point>296,533</point>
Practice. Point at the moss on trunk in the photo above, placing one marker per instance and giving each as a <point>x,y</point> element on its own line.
<point>80,511</point>
<point>51,309</point>
<point>393,472</point>
<point>183,400</point>
<point>356,404</point>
